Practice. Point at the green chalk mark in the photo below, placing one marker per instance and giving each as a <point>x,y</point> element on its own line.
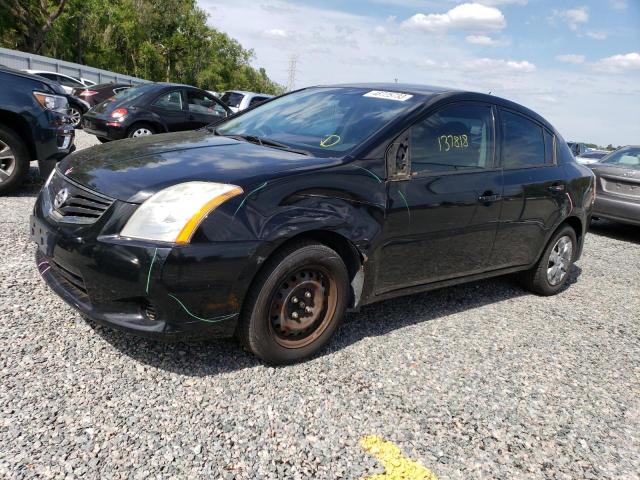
<point>153,260</point>
<point>370,173</point>
<point>405,204</point>
<point>208,320</point>
<point>247,196</point>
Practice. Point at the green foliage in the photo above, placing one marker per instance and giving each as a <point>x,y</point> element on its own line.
<point>159,40</point>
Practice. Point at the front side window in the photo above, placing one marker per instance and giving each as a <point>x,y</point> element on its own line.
<point>198,102</point>
<point>458,137</point>
<point>625,157</point>
<point>523,141</point>
<point>169,101</point>
<point>327,121</point>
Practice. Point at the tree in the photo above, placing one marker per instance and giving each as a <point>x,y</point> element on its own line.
<point>32,20</point>
<point>158,40</point>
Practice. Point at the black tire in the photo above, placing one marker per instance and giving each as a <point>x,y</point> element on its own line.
<point>299,265</point>
<point>12,176</point>
<point>537,280</point>
<point>131,133</point>
<point>103,139</point>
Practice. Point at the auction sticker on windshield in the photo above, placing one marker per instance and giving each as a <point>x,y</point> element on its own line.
<point>399,97</point>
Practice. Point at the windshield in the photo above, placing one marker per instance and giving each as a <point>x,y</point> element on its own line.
<point>625,157</point>
<point>232,99</point>
<point>133,92</point>
<point>325,121</point>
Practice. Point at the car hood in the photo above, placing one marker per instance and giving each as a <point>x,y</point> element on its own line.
<point>132,170</point>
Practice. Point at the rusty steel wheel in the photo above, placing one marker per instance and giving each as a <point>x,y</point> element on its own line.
<point>295,303</point>
<point>302,306</point>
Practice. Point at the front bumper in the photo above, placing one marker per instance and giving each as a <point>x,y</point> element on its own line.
<point>617,209</point>
<point>54,141</point>
<point>191,291</point>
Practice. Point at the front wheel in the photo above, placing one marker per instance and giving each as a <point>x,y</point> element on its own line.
<point>296,304</point>
<point>14,160</point>
<point>551,273</point>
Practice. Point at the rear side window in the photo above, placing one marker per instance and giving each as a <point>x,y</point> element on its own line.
<point>232,99</point>
<point>458,137</point>
<point>256,101</point>
<point>169,101</point>
<point>523,141</point>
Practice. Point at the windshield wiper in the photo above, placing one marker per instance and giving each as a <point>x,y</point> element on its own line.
<point>267,142</point>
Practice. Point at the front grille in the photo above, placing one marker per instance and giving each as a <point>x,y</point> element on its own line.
<point>73,203</point>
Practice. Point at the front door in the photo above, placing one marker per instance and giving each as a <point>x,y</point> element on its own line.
<point>203,109</point>
<point>442,220</point>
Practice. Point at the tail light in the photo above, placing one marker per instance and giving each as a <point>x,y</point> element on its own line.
<point>119,113</point>
<point>87,93</point>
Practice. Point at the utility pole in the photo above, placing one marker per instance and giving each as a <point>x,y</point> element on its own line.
<point>293,66</point>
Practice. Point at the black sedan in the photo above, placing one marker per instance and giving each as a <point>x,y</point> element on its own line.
<point>99,93</point>
<point>618,186</point>
<point>272,224</point>
<point>153,108</point>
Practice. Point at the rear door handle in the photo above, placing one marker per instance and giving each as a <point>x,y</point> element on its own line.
<point>489,198</point>
<point>557,187</point>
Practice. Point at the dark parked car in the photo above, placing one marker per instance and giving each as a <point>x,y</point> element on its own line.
<point>99,93</point>
<point>618,186</point>
<point>592,156</point>
<point>33,125</point>
<point>153,108</point>
<point>272,224</point>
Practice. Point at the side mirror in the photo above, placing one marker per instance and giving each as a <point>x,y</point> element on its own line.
<point>398,158</point>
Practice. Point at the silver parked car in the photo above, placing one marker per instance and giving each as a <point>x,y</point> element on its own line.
<point>591,156</point>
<point>238,100</point>
<point>618,186</point>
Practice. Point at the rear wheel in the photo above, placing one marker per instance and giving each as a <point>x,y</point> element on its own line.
<point>103,139</point>
<point>296,304</point>
<point>140,130</point>
<point>551,273</point>
<point>14,160</point>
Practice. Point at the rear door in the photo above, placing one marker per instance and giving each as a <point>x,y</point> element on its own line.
<point>442,219</point>
<point>170,107</point>
<point>203,109</point>
<point>535,193</point>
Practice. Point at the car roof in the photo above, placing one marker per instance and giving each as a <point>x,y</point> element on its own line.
<point>244,92</point>
<point>25,74</point>
<point>431,92</point>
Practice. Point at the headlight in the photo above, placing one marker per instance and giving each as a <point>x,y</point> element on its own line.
<point>175,213</point>
<point>57,103</point>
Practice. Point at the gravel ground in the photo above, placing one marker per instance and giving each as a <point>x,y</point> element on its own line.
<point>476,381</point>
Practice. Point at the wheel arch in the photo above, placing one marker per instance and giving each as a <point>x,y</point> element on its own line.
<point>157,126</point>
<point>352,257</point>
<point>16,123</point>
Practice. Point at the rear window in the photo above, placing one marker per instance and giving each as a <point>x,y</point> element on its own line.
<point>133,92</point>
<point>232,99</point>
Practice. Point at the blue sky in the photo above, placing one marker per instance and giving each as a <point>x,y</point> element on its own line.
<point>575,62</point>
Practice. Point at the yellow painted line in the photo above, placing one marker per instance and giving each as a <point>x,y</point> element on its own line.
<point>396,465</point>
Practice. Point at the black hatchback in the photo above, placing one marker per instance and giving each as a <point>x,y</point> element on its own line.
<point>275,222</point>
<point>153,108</point>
